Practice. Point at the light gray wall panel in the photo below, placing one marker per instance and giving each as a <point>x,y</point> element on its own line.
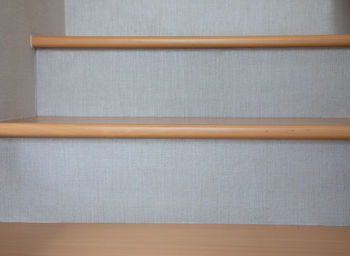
<point>241,83</point>
<point>206,17</point>
<point>200,181</point>
<point>18,19</point>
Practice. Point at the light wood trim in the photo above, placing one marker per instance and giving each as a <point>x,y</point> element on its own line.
<point>190,41</point>
<point>172,240</point>
<point>211,128</point>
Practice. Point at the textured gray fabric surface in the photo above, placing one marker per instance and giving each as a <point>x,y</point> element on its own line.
<point>200,181</point>
<point>216,83</point>
<point>18,19</point>
<point>206,17</point>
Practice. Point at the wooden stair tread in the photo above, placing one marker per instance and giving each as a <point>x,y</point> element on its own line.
<point>64,239</point>
<point>341,40</point>
<point>143,127</point>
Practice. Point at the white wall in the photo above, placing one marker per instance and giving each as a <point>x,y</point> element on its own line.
<point>18,19</point>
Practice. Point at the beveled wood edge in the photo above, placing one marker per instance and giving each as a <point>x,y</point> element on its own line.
<point>278,41</point>
<point>177,130</point>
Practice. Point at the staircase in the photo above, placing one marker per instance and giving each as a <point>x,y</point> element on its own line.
<point>247,132</point>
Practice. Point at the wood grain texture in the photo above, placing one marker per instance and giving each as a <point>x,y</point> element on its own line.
<point>213,128</point>
<point>190,41</point>
<point>29,239</point>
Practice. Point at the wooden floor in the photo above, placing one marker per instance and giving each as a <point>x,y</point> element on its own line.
<point>163,127</point>
<point>27,239</point>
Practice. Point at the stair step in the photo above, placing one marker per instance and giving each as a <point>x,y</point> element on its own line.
<point>171,239</point>
<point>190,41</point>
<point>163,127</point>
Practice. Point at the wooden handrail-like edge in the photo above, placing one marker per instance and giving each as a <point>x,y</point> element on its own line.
<point>190,131</point>
<point>282,41</point>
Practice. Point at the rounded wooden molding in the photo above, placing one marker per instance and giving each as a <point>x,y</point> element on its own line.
<point>189,128</point>
<point>191,41</point>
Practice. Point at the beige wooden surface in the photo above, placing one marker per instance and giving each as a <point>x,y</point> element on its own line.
<point>189,41</point>
<point>171,240</point>
<point>220,128</point>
